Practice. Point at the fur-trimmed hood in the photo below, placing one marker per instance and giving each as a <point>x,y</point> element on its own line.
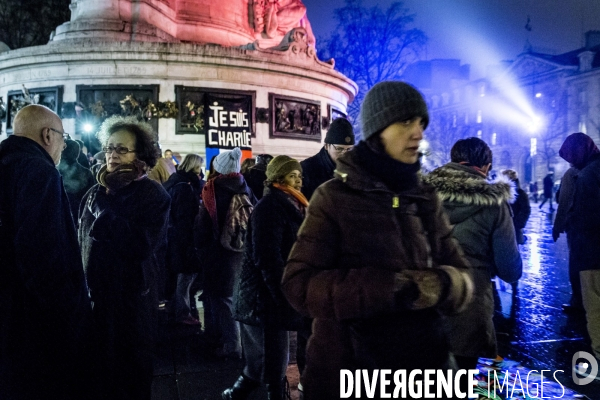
<point>465,191</point>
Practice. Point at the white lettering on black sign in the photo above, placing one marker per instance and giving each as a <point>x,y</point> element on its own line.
<point>228,128</point>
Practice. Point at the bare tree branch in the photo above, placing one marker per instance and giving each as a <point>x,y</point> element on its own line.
<point>371,45</point>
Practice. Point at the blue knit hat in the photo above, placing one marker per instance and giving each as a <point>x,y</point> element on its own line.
<point>228,162</point>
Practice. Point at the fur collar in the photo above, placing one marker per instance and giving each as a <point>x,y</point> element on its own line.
<point>457,183</point>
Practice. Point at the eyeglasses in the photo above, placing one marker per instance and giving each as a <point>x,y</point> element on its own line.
<point>341,149</point>
<point>65,135</point>
<point>118,149</point>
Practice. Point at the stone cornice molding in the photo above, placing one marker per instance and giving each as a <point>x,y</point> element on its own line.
<point>292,62</point>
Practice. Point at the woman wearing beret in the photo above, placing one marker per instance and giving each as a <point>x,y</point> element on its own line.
<point>122,222</point>
<point>260,306</point>
<point>375,263</point>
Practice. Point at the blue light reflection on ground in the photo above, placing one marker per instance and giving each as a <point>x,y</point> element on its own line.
<point>533,263</point>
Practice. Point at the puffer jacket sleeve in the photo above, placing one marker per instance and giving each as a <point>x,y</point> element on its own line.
<point>507,258</point>
<point>315,283</point>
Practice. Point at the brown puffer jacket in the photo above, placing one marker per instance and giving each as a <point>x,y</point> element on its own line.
<point>365,267</point>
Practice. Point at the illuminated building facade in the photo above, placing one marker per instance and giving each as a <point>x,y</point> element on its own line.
<point>523,109</point>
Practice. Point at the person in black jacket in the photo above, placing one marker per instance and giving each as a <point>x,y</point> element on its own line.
<point>76,178</point>
<point>260,305</point>
<point>255,177</point>
<point>319,168</point>
<point>122,231</point>
<point>45,312</point>
<point>583,225</point>
<point>185,190</point>
<point>521,208</point>
<point>548,190</point>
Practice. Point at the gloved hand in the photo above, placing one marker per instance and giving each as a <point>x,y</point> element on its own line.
<point>446,287</point>
<point>555,234</point>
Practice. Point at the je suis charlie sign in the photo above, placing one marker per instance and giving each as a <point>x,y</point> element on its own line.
<point>228,121</point>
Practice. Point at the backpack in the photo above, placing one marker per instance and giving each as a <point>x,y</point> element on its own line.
<point>233,234</point>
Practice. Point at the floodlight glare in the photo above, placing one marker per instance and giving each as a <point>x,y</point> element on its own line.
<point>535,124</point>
<point>88,127</point>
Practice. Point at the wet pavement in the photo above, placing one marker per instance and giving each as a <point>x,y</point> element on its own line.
<point>531,330</point>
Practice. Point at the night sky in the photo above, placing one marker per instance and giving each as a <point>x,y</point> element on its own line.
<point>484,32</point>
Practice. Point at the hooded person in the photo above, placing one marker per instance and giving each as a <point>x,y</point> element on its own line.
<point>375,263</point>
<point>583,226</point>
<point>319,168</point>
<point>260,306</point>
<point>480,213</point>
<point>221,265</point>
<point>577,150</point>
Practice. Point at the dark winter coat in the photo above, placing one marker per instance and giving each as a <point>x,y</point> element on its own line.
<point>185,190</point>
<point>521,210</point>
<point>255,178</point>
<point>583,222</point>
<point>479,210</point>
<point>548,186</point>
<point>77,180</point>
<point>565,200</point>
<point>119,250</point>
<point>273,228</point>
<point>357,236</point>
<point>45,312</point>
<point>316,170</point>
<point>220,266</point>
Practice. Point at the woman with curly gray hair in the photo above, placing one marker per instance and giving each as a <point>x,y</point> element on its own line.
<point>122,225</point>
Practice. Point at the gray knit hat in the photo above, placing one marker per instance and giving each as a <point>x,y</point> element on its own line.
<point>389,102</point>
<point>228,162</point>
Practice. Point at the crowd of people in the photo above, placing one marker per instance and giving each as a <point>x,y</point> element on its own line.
<point>374,264</point>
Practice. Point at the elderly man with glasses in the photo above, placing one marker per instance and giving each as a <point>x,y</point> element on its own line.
<point>319,168</point>
<point>45,311</point>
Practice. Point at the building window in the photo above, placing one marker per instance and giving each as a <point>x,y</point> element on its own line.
<point>533,147</point>
<point>479,133</point>
<point>456,96</point>
<point>454,120</point>
<point>478,116</point>
<point>494,137</point>
<point>445,99</point>
<point>482,90</point>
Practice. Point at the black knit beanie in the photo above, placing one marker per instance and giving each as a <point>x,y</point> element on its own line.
<point>389,102</point>
<point>340,132</point>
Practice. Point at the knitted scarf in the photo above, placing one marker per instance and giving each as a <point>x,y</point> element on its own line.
<point>396,175</point>
<point>210,200</point>
<point>122,176</point>
<point>293,192</point>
